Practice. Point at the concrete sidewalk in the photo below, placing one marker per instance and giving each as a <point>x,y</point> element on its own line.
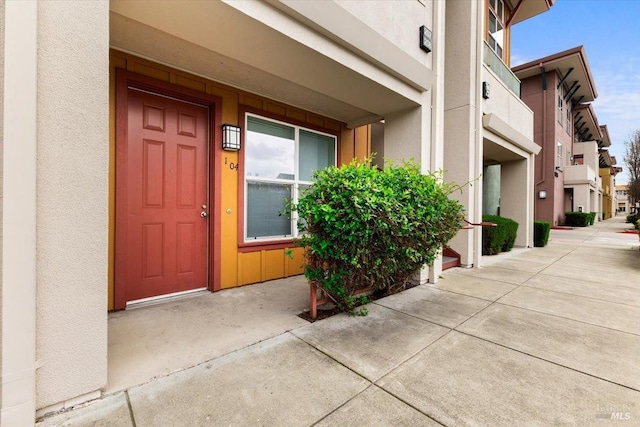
<point>545,336</point>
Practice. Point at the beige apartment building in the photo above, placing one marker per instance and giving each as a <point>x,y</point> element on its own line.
<point>147,148</point>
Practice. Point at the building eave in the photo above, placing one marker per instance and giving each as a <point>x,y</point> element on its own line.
<point>571,63</point>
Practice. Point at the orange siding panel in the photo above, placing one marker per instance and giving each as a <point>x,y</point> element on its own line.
<point>297,115</point>
<point>274,264</point>
<point>150,71</point>
<point>251,267</point>
<point>200,86</point>
<point>362,142</point>
<point>276,109</point>
<point>347,149</point>
<point>251,101</point>
<point>296,265</point>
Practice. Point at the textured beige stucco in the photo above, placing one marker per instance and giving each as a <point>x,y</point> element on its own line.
<point>1,159</point>
<point>73,143</point>
<point>462,136</point>
<point>397,21</point>
<point>19,214</point>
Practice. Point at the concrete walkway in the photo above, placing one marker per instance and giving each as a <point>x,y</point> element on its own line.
<point>545,336</point>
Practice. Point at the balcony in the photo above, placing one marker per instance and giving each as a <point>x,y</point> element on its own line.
<point>580,174</point>
<point>501,70</point>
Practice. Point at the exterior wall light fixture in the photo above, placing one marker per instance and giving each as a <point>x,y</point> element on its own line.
<point>230,137</point>
<point>542,194</point>
<point>426,43</point>
<point>486,90</point>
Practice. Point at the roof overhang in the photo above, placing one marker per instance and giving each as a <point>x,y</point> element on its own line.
<point>586,124</point>
<point>525,9</point>
<point>606,139</point>
<point>605,159</point>
<point>230,44</point>
<point>573,68</point>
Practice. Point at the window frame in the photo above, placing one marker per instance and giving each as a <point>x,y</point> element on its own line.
<point>501,19</point>
<point>559,156</point>
<point>273,242</point>
<point>561,106</point>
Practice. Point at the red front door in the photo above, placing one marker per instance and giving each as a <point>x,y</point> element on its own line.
<point>165,181</point>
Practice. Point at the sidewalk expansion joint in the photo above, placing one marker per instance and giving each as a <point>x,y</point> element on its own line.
<point>547,360</point>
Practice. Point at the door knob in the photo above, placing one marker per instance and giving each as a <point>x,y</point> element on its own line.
<point>203,214</point>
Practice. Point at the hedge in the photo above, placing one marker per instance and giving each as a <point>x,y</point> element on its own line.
<point>500,238</point>
<point>577,219</point>
<point>592,217</point>
<point>368,228</point>
<point>633,218</point>
<point>541,230</point>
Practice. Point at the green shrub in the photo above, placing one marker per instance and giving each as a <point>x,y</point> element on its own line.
<point>577,219</point>
<point>633,218</point>
<point>592,217</point>
<point>541,230</point>
<point>637,225</point>
<point>500,238</point>
<point>363,227</point>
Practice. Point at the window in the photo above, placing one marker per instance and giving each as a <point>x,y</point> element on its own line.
<point>559,156</point>
<point>560,102</point>
<point>280,160</point>
<point>496,37</point>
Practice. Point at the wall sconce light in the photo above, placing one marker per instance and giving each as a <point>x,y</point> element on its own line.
<point>486,90</point>
<point>230,137</point>
<point>542,194</point>
<point>425,39</point>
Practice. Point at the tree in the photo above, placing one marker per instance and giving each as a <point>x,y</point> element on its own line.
<point>632,160</point>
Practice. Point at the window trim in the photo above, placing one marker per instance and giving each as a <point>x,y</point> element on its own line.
<point>559,156</point>
<point>560,106</point>
<point>506,13</point>
<point>244,110</point>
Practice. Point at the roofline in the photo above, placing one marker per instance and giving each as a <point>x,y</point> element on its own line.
<point>538,63</point>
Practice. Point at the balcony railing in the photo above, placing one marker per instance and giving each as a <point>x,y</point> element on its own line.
<point>493,61</point>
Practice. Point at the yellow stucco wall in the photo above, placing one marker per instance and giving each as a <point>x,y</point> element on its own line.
<point>607,193</point>
<point>237,267</point>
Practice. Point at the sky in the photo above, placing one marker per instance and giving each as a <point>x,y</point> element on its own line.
<point>609,30</point>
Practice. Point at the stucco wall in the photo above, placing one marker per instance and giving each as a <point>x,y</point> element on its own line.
<point>397,21</point>
<point>73,167</point>
<point>547,131</point>
<point>506,105</point>
<point>1,158</point>
<point>462,143</point>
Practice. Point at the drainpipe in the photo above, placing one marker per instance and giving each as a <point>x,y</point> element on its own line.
<point>479,149</point>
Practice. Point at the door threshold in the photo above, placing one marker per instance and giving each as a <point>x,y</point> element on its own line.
<point>144,302</point>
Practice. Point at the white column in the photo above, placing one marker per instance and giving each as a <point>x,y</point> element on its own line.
<point>19,102</point>
<point>437,109</point>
